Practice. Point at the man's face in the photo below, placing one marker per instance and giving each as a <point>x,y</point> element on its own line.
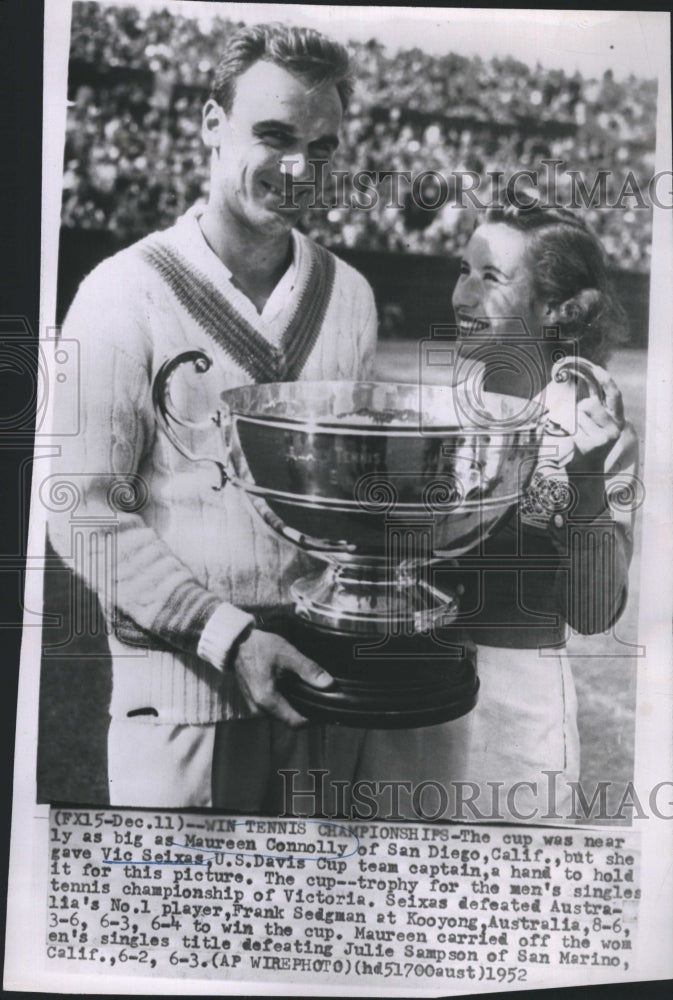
<point>280,132</point>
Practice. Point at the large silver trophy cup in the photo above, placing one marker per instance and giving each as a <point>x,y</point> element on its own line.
<point>384,485</point>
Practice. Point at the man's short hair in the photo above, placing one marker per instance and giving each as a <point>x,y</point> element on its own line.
<point>301,51</point>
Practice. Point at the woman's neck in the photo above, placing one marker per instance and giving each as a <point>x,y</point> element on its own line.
<point>522,370</point>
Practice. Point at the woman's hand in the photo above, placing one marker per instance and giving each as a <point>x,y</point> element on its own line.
<point>597,429</point>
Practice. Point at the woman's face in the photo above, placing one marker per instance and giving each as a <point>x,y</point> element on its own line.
<point>494,299</point>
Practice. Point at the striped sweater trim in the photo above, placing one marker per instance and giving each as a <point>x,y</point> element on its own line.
<point>179,626</point>
<point>301,334</point>
<point>210,308</point>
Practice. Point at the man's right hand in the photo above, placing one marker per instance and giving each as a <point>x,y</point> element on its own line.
<point>259,661</point>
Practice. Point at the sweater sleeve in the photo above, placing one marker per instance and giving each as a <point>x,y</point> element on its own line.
<point>592,590</point>
<point>96,491</point>
<point>356,326</point>
<point>368,330</point>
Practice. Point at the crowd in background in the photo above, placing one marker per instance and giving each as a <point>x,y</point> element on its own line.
<point>134,158</point>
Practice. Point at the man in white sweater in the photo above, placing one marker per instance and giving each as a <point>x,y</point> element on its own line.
<point>190,669</point>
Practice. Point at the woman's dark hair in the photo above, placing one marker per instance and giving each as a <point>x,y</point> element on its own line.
<point>569,273</point>
<point>301,51</point>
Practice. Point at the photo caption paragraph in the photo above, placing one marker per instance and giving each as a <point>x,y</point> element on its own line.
<point>187,896</point>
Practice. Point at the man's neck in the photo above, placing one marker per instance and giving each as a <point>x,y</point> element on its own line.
<point>256,262</point>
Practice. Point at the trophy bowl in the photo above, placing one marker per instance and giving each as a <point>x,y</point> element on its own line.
<point>335,460</point>
<point>381,483</point>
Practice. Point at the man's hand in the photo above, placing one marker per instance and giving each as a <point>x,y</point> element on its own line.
<point>259,660</point>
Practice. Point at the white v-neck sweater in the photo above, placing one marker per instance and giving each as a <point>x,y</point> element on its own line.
<point>171,559</point>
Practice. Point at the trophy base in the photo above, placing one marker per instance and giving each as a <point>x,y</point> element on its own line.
<point>402,682</point>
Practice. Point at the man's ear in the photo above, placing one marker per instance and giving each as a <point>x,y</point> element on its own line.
<point>211,124</point>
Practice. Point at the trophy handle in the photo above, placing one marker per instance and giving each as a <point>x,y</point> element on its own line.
<point>161,399</point>
<point>582,371</point>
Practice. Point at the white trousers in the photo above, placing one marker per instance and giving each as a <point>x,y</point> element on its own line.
<point>253,765</point>
<point>512,758</point>
<point>160,765</point>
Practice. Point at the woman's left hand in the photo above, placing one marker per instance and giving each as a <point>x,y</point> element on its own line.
<point>599,424</point>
